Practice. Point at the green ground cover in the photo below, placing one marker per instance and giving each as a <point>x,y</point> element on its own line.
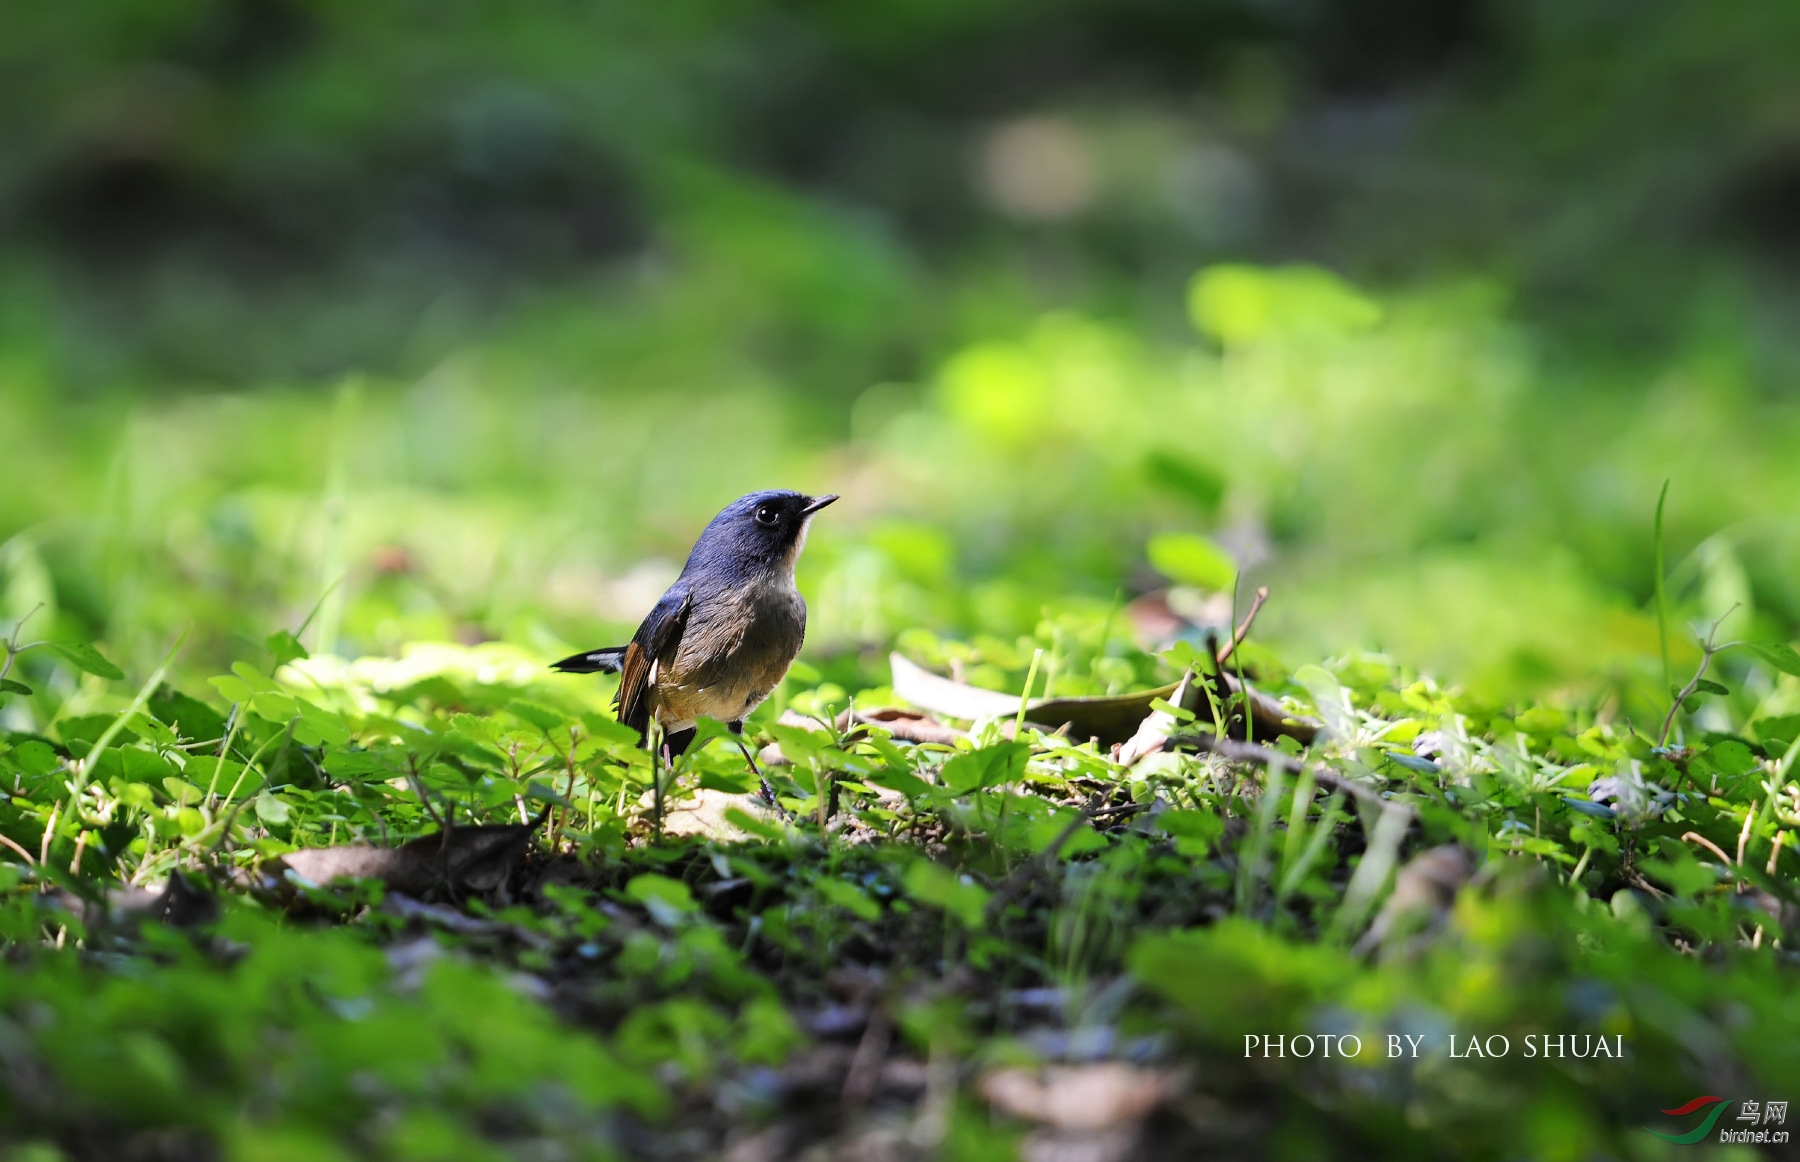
<point>656,966</point>
<point>357,360</point>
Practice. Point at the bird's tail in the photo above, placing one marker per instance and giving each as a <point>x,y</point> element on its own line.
<point>606,661</point>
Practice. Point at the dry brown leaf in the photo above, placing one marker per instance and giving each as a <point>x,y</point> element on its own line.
<point>184,901</point>
<point>704,814</point>
<point>1153,733</point>
<point>1078,1097</point>
<point>473,858</point>
<point>1115,1145</point>
<point>909,725</point>
<point>1110,718</point>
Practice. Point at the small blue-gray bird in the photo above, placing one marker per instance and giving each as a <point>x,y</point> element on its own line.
<point>724,634</point>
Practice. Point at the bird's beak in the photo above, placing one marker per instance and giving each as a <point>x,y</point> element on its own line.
<point>817,503</point>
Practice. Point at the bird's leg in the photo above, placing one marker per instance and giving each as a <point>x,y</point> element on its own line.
<point>768,792</point>
<point>659,743</point>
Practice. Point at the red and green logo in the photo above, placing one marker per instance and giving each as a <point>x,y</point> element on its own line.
<point>1700,1131</point>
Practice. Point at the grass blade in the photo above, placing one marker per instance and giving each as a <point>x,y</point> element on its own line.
<point>1662,594</point>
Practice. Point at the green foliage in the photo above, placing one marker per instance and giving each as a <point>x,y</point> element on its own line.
<point>1243,304</point>
<point>1778,656</point>
<point>87,659</point>
<point>959,897</point>
<point>307,1034</point>
<point>1238,898</point>
<point>1192,560</point>
<point>454,326</point>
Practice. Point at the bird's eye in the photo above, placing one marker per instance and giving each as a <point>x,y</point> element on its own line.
<point>766,515</point>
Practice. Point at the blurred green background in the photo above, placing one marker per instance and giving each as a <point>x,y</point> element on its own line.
<point>466,316</point>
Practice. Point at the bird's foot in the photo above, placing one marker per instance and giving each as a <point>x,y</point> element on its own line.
<point>767,795</point>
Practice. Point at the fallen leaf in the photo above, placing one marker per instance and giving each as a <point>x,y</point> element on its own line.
<point>1119,1144</point>
<point>908,725</point>
<point>704,814</point>
<point>185,901</point>
<point>1078,1097</point>
<point>1109,718</point>
<point>1153,733</point>
<point>475,858</point>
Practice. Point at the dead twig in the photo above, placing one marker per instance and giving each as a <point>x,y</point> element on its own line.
<point>1243,629</point>
<point>1122,811</point>
<point>412,778</point>
<point>1710,846</point>
<point>1249,752</point>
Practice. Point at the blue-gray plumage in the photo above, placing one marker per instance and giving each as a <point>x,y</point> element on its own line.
<point>724,634</point>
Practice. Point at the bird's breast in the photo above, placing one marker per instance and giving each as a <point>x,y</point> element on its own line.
<point>736,649</point>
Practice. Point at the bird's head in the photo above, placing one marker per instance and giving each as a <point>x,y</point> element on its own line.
<point>763,530</point>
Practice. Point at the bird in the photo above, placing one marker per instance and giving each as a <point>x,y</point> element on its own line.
<point>722,637</point>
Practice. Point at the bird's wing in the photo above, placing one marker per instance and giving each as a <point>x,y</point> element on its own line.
<point>655,641</point>
<point>606,661</point>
